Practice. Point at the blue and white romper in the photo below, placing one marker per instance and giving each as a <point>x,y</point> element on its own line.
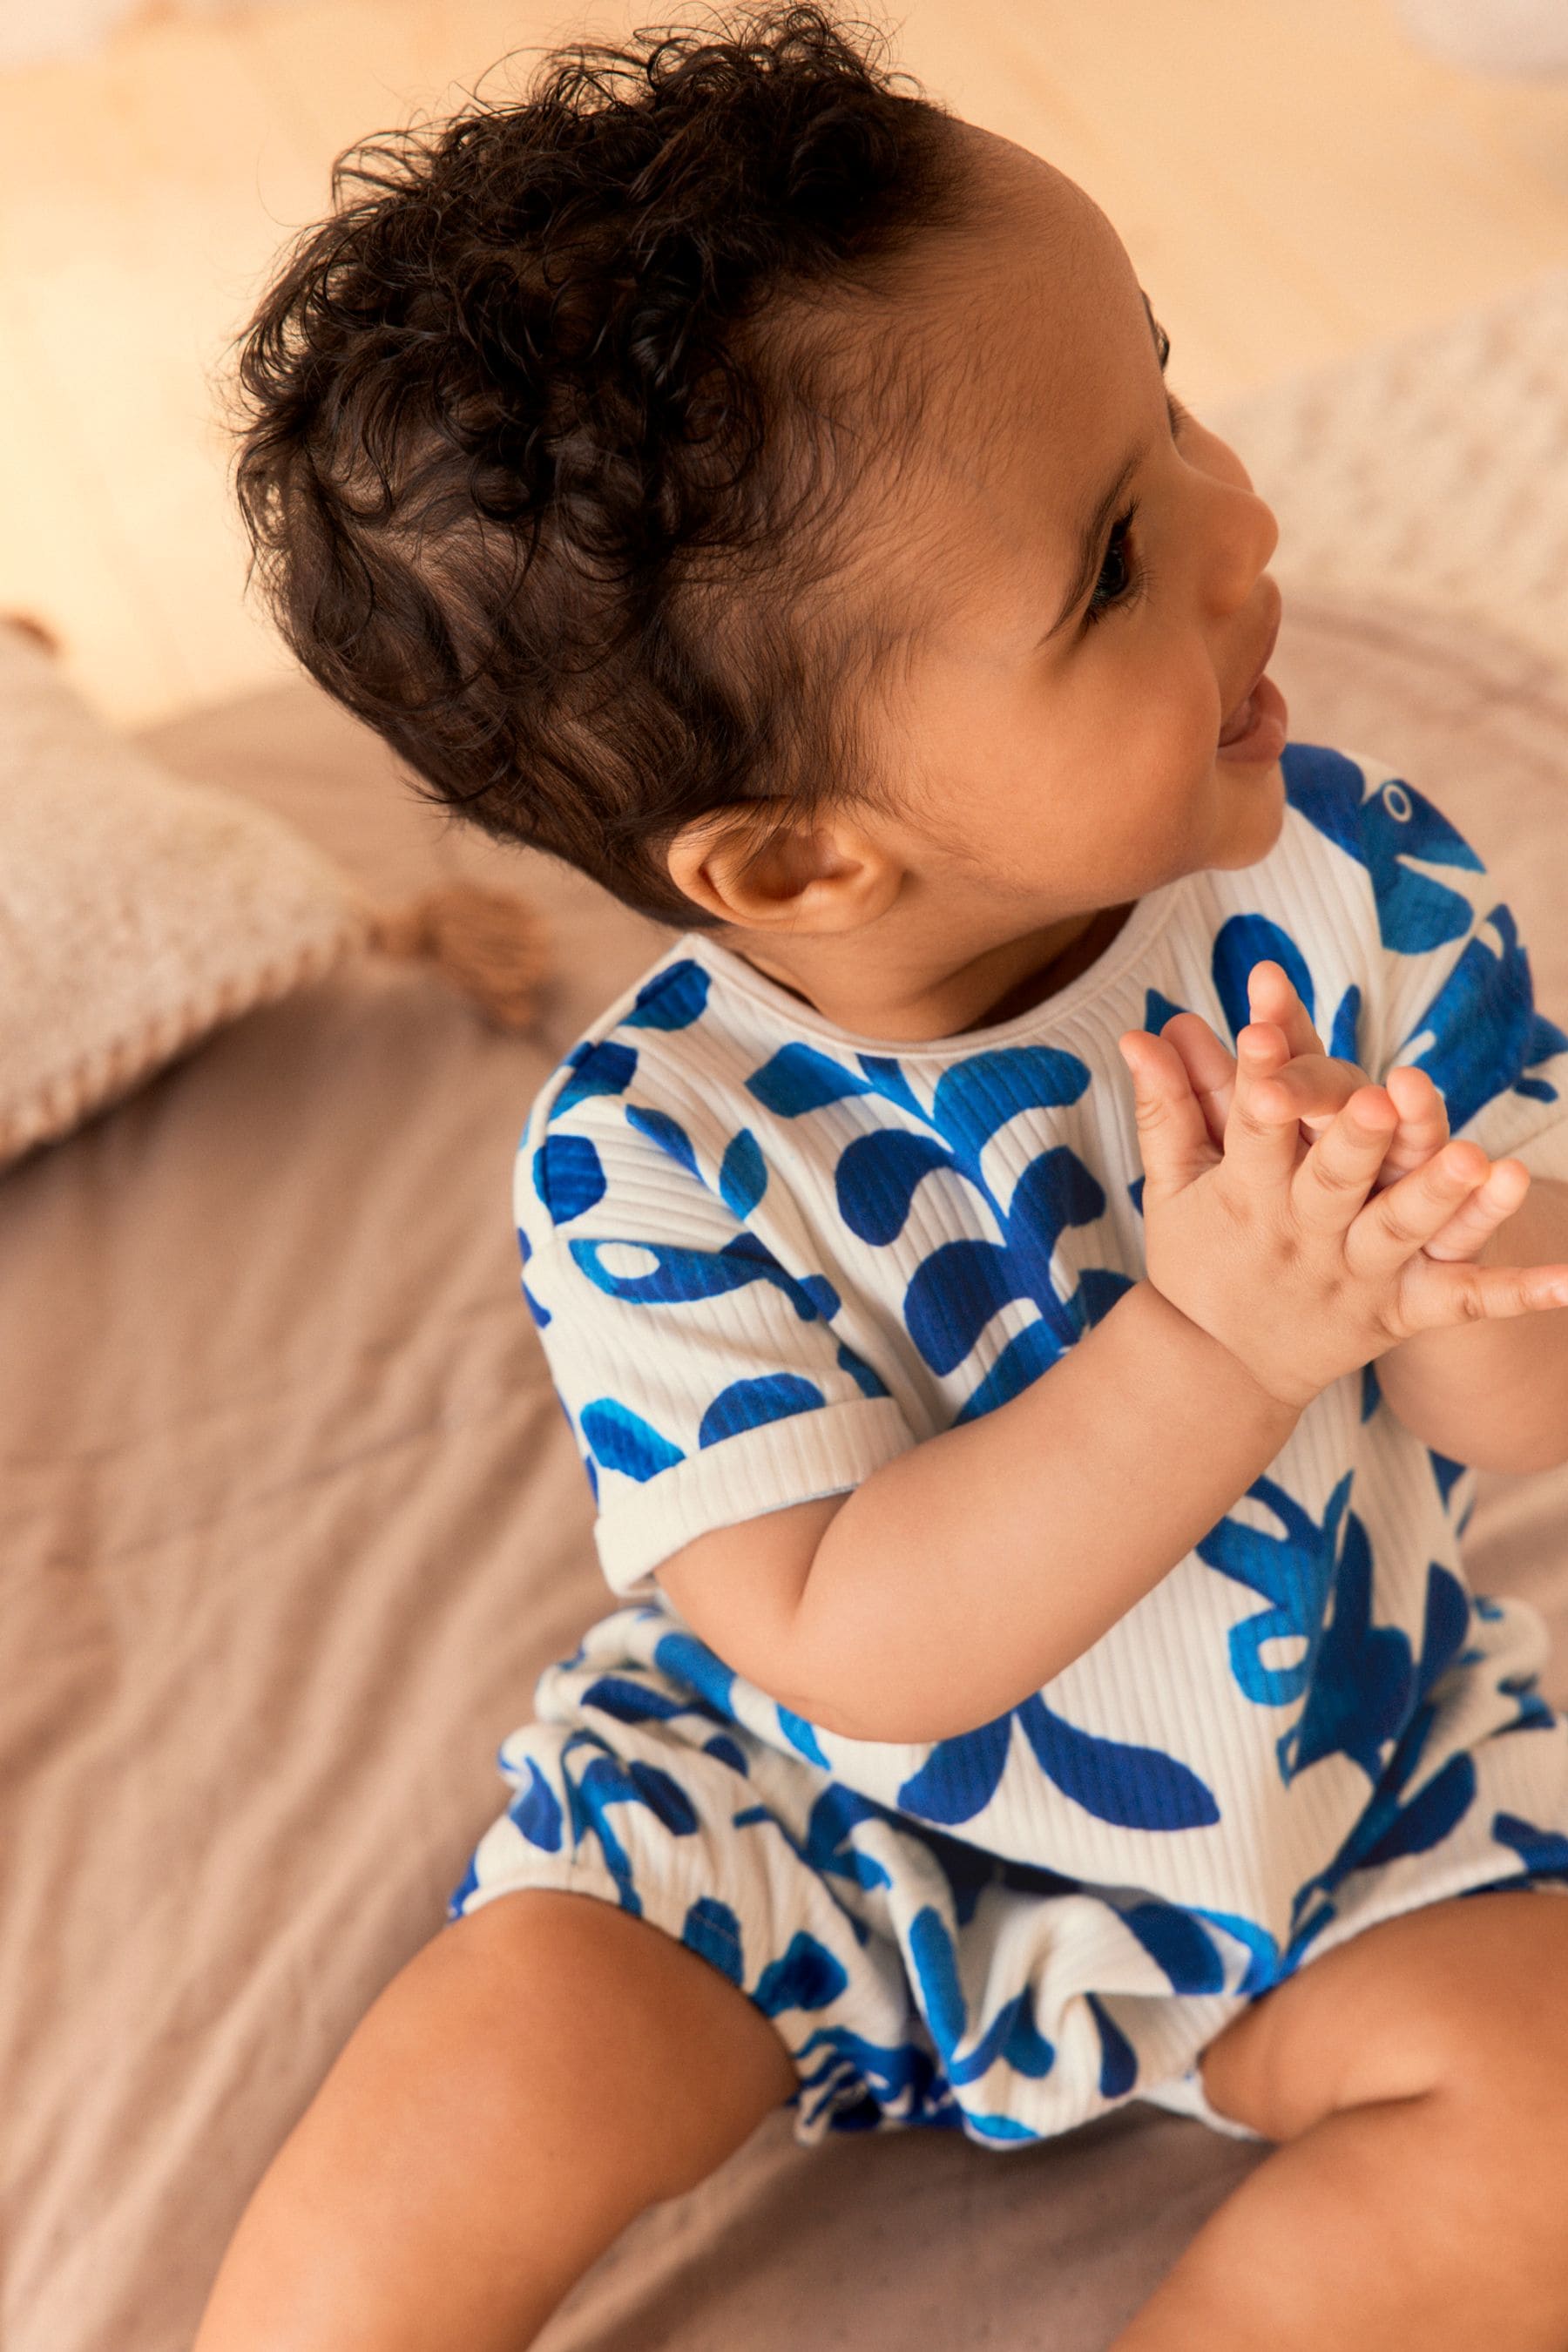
<point>766,1255</point>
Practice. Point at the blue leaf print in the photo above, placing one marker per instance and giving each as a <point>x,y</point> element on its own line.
<point>1117,2059</point>
<point>1343,1045</point>
<point>1158,1010</point>
<point>1173,1938</point>
<point>1540,1851</point>
<point>860,1372</point>
<point>1447,1471</point>
<point>876,1180</point>
<point>622,1440</point>
<point>807,1977</point>
<point>1030,1352</point>
<point>602,1069</point>
<point>1262,1952</point>
<point>890,1081</point>
<point>955,1291</point>
<point>1483,1025</point>
<point>952,1297</point>
<point>630,1702</point>
<point>829,1845</point>
<point>664,1797</point>
<point>537,1812</point>
<point>672,999</point>
<point>959,1776</point>
<point>1294,1573</point>
<point>606,1782</point>
<point>1363,1686</point>
<point>816,1291</point>
<point>1415,913</point>
<point>1014,2039</point>
<point>567,1176</point>
<point>687,1660</point>
<point>751,1404</point>
<point>941,1998</point>
<point>1390,832</point>
<point>677,1274</point>
<point>800,1734</point>
<point>1117,1781</point>
<point>1241,943</point>
<point>742,1174</point>
<point>976,1097</point>
<point>798,1078</point>
<point>1136,1787</point>
<point>905,2077</point>
<point>668,1133</point>
<point>711,1929</point>
<point>1445,1627</point>
<point>1427,1819</point>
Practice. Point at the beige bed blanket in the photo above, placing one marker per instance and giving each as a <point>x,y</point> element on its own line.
<point>291,1521</point>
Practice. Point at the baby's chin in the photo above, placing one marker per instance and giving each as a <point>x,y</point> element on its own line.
<point>1253,812</point>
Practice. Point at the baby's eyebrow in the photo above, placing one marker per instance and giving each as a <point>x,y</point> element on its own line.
<point>1093,531</point>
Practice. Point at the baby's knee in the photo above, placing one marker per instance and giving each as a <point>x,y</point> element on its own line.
<point>607,2013</point>
<point>1467,1998</point>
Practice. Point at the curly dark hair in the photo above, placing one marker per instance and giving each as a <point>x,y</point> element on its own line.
<point>542,433</point>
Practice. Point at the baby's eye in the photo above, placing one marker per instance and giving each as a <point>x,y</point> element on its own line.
<point>1119,567</point>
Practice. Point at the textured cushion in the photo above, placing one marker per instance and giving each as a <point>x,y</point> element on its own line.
<point>137,911</point>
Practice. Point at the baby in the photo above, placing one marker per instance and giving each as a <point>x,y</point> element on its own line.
<point>1030,1441</point>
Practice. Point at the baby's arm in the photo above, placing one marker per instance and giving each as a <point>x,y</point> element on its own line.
<point>968,1571</point>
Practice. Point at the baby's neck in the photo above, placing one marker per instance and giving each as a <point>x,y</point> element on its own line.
<point>848,987</point>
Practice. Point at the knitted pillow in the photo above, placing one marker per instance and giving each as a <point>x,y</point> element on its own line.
<point>139,911</point>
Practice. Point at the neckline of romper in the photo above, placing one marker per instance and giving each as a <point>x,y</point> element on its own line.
<point>1150,916</point>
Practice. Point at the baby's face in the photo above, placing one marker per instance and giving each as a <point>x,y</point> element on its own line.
<point>1087,566</point>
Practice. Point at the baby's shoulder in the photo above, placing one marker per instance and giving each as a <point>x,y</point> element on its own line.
<point>651,1101</point>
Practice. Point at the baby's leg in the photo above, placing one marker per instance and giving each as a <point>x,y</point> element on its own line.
<point>535,2077</point>
<point>1417,2078</point>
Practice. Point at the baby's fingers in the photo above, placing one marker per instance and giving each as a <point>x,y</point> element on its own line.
<point>1423,1127</point>
<point>1272,995</point>
<point>1330,1186</point>
<point>1172,1136</point>
<point>1433,1297</point>
<point>1399,1222</point>
<point>1489,1206</point>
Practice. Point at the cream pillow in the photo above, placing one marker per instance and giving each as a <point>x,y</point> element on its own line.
<point>139,911</point>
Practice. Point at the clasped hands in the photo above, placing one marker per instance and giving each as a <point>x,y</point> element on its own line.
<point>1307,1217</point>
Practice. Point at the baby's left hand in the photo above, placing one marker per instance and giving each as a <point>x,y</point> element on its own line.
<point>1319,1086</point>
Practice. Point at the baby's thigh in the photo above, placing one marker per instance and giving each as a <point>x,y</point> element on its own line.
<point>530,2082</point>
<point>1467,1997</point>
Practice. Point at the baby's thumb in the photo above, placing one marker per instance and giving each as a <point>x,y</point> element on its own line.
<point>1172,1133</point>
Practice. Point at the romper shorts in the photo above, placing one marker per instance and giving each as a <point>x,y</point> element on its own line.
<point>914,1978</point>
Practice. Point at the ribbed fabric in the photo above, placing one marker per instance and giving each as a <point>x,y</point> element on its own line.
<point>765,1256</point>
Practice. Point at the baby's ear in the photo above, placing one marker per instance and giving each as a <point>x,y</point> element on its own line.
<point>762,867</point>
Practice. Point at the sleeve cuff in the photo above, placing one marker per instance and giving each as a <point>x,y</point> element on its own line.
<point>825,1451</point>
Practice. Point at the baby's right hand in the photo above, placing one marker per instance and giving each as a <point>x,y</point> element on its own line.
<point>1286,1254</point>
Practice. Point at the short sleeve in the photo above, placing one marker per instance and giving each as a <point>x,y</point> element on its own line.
<point>1453,990</point>
<point>701,1375</point>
